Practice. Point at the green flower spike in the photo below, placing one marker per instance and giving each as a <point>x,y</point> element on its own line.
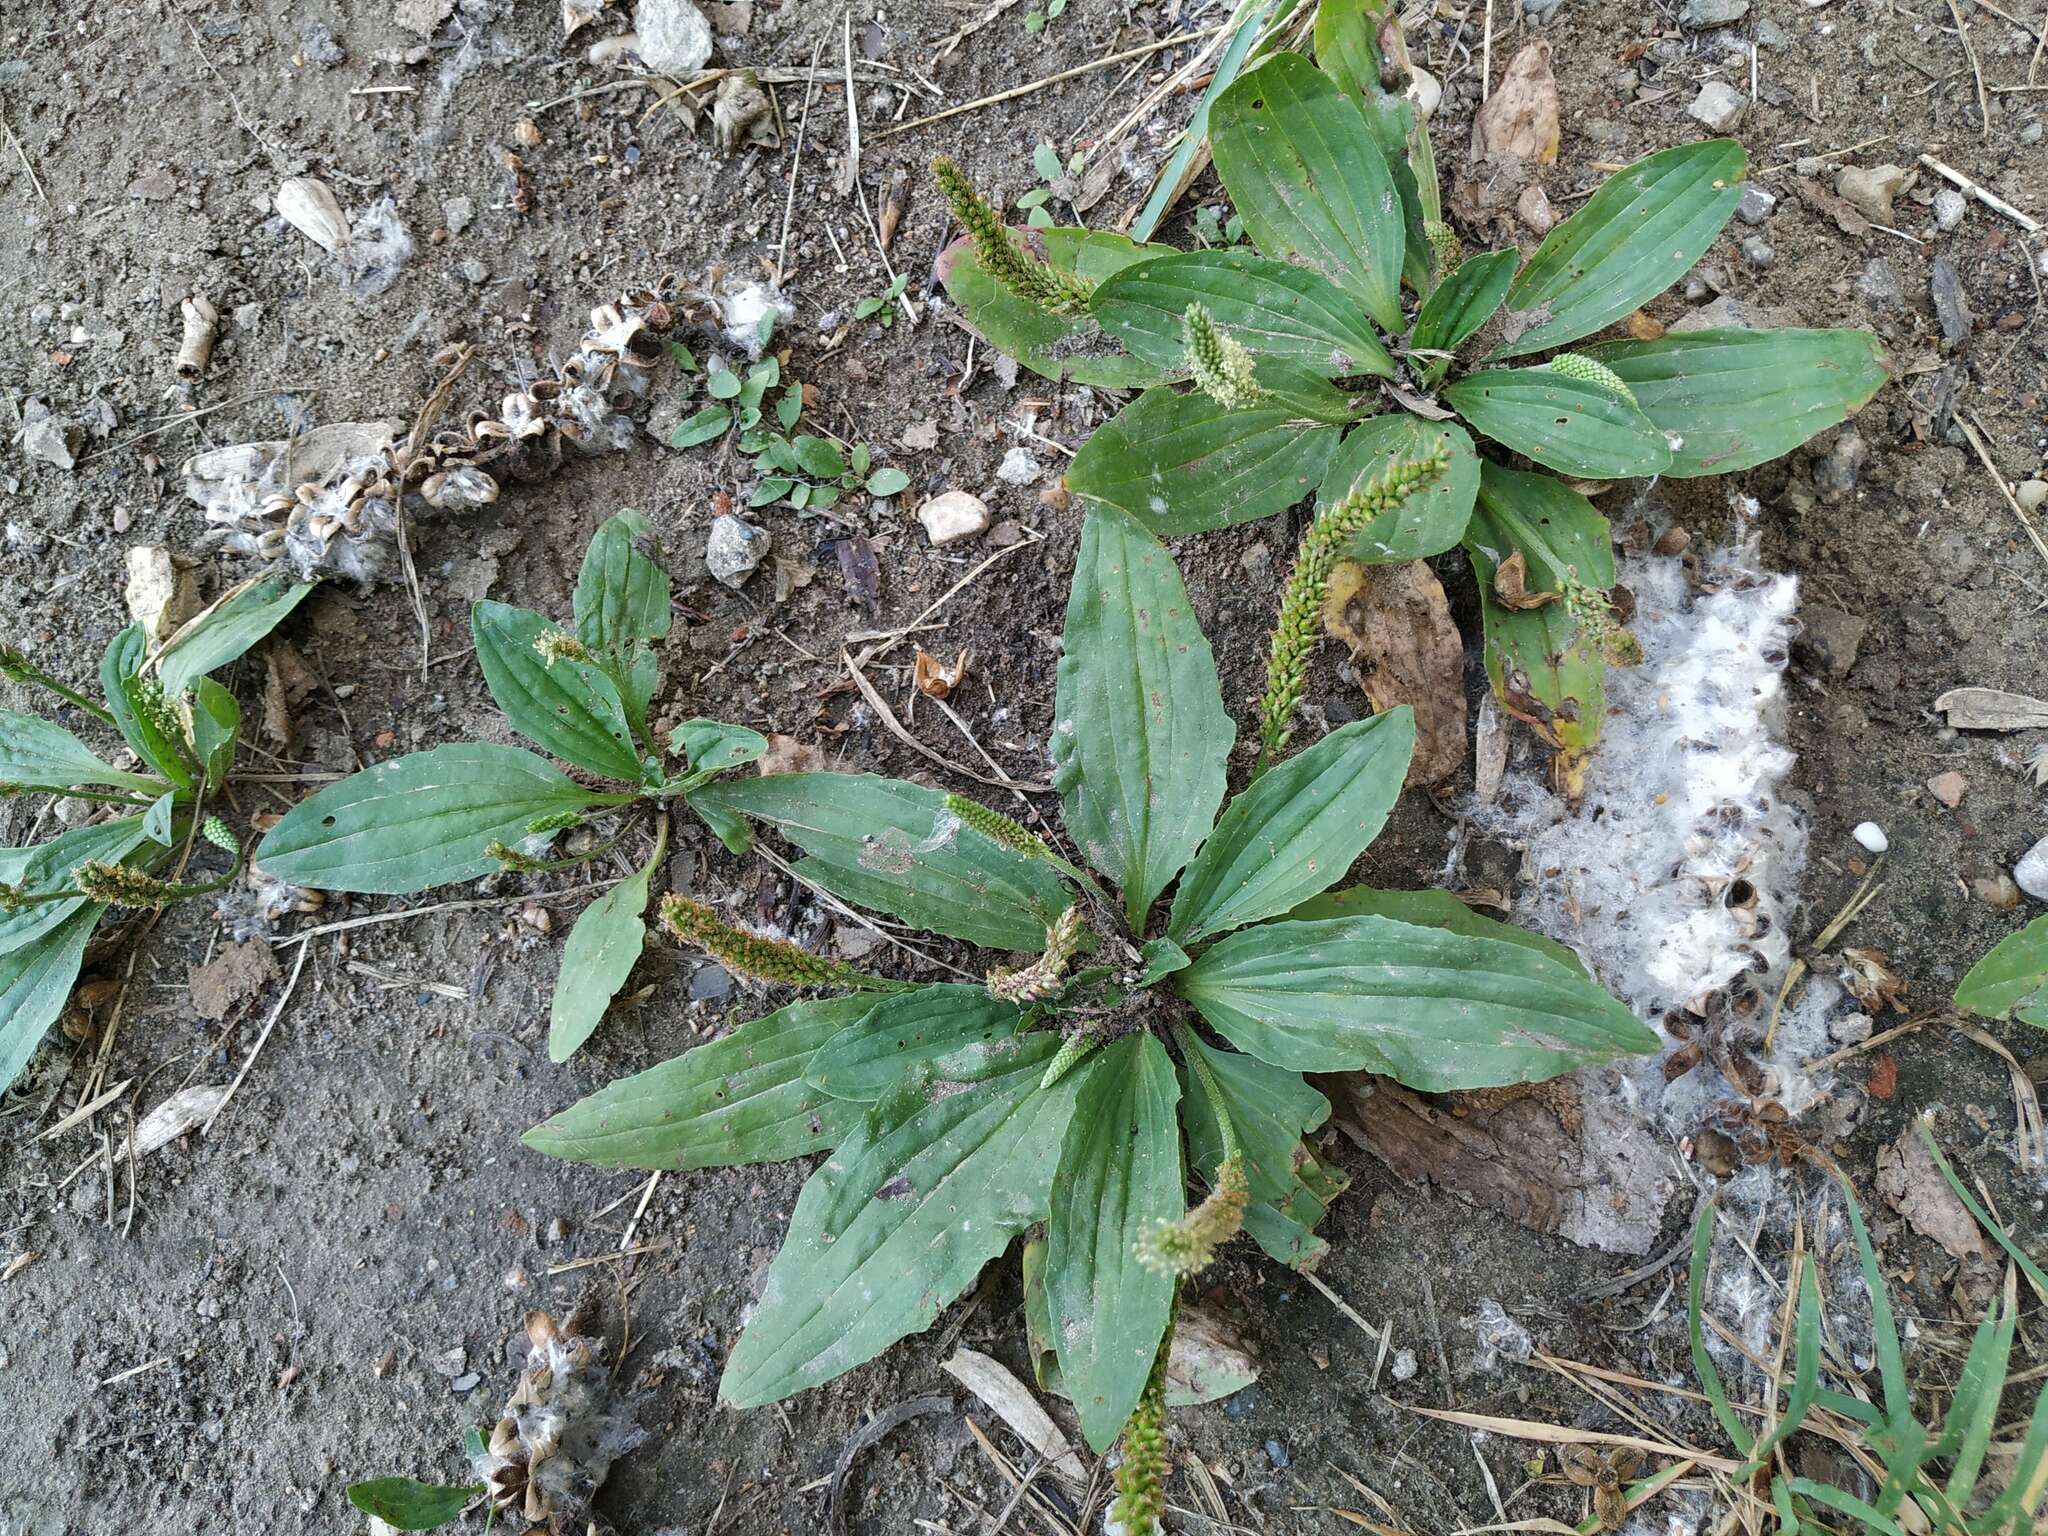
<point>753,955</point>
<point>1001,253</point>
<point>1222,368</point>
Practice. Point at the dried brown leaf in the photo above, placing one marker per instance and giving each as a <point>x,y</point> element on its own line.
<point>1405,649</point>
<point>1520,119</point>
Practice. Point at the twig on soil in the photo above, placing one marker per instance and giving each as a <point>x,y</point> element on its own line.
<point>639,1210</point>
<point>796,161</point>
<point>1033,86</point>
<point>897,729</point>
<point>612,1258</point>
<point>1486,84</point>
<point>1976,70</point>
<point>1831,154</point>
<point>881,644</point>
<point>87,1110</point>
<point>135,1370</point>
<point>1974,431</point>
<point>1883,1037</point>
<point>180,418</point>
<point>290,986</point>
<point>1436,1331</point>
<point>956,39</point>
<point>2031,1144</point>
<point>1989,199</point>
<point>1346,1308</point>
<point>33,179</point>
<point>342,925</point>
<point>852,171</point>
<point>277,156</point>
<point>868,1434</point>
<point>995,767</point>
<point>1552,1434</point>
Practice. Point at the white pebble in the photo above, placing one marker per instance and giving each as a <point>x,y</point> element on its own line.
<point>2031,873</point>
<point>1871,836</point>
<point>953,516</point>
<point>1404,1364</point>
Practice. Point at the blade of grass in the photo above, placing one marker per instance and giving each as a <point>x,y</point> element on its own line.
<point>1891,1365</point>
<point>1846,1504</point>
<point>1806,1372</point>
<point>1984,1373</point>
<point>1702,1362</point>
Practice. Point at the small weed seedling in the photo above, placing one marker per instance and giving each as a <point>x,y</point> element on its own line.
<point>183,728</point>
<point>1214,228</point>
<point>1955,1474</point>
<point>1038,18</point>
<point>457,812</point>
<point>1334,346</point>
<point>805,471</point>
<point>1081,1086</point>
<point>1059,182</point>
<point>881,307</point>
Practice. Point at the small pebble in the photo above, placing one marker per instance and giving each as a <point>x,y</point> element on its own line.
<point>1719,105</point>
<point>1711,13</point>
<point>953,516</point>
<point>734,549</point>
<point>1758,203</point>
<point>1949,208</point>
<point>1757,252</point>
<point>1871,836</point>
<point>1403,1368</point>
<point>1853,1030</point>
<point>2031,873</point>
<point>1276,1453</point>
<point>465,1383</point>
<point>2032,495</point>
<point>1880,284</point>
<point>1948,788</point>
<point>1019,468</point>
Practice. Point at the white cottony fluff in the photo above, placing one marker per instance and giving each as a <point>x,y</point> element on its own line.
<point>1679,871</point>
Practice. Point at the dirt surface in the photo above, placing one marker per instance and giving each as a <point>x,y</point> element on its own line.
<point>220,1337</point>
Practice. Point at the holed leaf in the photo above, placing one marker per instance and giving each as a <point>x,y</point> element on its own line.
<point>1055,346</point>
<point>739,1099</point>
<point>1635,237</point>
<point>1735,397</point>
<point>1272,309</point>
<point>894,847</point>
<point>1431,518</point>
<point>1433,1009</point>
<point>571,709</point>
<point>603,947</point>
<point>711,747</point>
<point>1140,734</point>
<point>1271,1109</point>
<point>1572,425</point>
<point>900,1034</point>
<point>1119,1176</point>
<point>1296,829</point>
<point>419,820</point>
<point>1309,181</point>
<point>900,1219</point>
<point>1182,463</point>
<point>1545,663</point>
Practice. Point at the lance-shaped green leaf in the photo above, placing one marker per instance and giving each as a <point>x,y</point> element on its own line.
<point>120,666</point>
<point>1636,236</point>
<point>621,595</point>
<point>407,1505</point>
<point>216,728</point>
<point>900,1219</point>
<point>1247,23</point>
<point>1119,1177</point>
<point>35,980</point>
<point>420,820</point>
<point>1309,181</point>
<point>902,1033</point>
<point>1140,734</point>
<point>896,848</point>
<point>711,747</point>
<point>1545,663</point>
<point>41,754</point>
<point>1347,50</point>
<point>1270,308</point>
<point>1433,1009</point>
<point>228,629</point>
<point>1182,463</point>
<point>1272,1110</point>
<point>740,1099</point>
<point>1571,425</point>
<point>1296,830</point>
<point>1458,306</point>
<point>47,867</point>
<point>1431,518</point>
<point>1430,909</point>
<point>602,950</point>
<point>568,708</point>
<point>2011,982</point>
<point>1056,346</point>
<point>1735,397</point>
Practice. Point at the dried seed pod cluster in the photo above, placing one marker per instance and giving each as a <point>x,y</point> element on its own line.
<point>328,503</point>
<point>560,1432</point>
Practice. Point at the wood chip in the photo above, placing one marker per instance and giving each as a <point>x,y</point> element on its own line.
<point>1006,1397</point>
<point>186,1110</point>
<point>1992,709</point>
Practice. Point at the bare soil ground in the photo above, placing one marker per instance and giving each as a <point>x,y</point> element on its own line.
<point>219,1339</point>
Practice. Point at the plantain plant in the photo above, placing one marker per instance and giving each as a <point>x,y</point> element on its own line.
<point>1354,332</point>
<point>454,813</point>
<point>1176,978</point>
<point>183,728</point>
